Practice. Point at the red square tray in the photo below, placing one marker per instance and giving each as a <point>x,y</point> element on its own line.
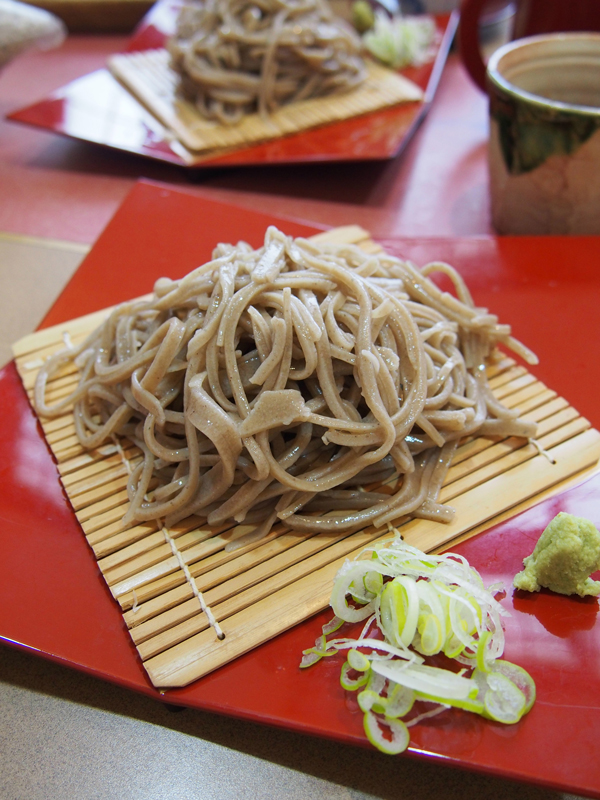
<point>53,600</point>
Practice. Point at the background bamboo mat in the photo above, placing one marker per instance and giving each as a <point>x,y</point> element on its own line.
<point>265,587</point>
<point>149,77</point>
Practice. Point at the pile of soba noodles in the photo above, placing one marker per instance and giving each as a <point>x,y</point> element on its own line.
<point>285,383</point>
<point>235,57</point>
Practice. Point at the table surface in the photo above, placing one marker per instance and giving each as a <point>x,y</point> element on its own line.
<point>66,735</point>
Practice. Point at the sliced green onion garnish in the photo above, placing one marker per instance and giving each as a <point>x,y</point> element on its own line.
<point>400,700</point>
<point>373,582</point>
<point>431,632</point>
<point>309,657</point>
<point>352,684</point>
<point>369,700</point>
<point>429,680</point>
<point>399,608</point>
<point>433,606</point>
<point>453,647</point>
<point>358,660</point>
<point>483,662</point>
<point>504,701</point>
<point>345,584</point>
<point>472,704</point>
<point>399,736</point>
<point>334,624</point>
<point>520,677</point>
<point>423,605</point>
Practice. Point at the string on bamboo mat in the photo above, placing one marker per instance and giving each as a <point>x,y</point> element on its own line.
<point>180,561</point>
<point>188,576</point>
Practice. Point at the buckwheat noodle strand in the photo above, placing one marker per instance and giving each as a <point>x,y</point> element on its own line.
<point>286,383</point>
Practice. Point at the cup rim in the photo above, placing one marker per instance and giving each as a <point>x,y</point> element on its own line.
<point>514,91</point>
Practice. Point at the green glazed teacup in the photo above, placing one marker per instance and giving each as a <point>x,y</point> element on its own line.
<point>544,148</point>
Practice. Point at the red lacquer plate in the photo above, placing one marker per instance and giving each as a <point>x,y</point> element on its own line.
<point>53,600</point>
<point>97,108</point>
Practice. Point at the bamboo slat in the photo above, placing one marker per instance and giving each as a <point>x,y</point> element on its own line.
<point>150,78</point>
<point>265,587</point>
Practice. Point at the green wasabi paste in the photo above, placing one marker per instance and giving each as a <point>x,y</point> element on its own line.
<point>566,554</point>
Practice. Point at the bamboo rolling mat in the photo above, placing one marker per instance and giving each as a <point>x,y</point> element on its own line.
<point>264,588</point>
<point>149,77</point>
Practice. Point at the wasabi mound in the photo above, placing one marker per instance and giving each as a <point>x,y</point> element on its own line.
<point>566,554</point>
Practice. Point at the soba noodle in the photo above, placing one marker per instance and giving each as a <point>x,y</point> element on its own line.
<point>284,383</point>
<point>235,57</point>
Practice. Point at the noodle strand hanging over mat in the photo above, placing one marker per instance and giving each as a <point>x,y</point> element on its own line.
<point>280,383</point>
<point>236,57</point>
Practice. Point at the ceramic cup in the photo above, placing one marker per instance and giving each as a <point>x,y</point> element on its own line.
<point>544,147</point>
<point>522,18</point>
